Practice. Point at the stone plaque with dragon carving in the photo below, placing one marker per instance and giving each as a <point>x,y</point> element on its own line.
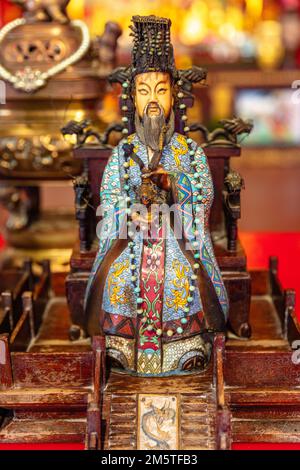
<point>158,422</point>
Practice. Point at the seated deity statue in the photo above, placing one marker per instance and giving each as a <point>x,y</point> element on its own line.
<point>155,290</point>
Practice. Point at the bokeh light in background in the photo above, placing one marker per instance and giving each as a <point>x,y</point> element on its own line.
<point>221,31</point>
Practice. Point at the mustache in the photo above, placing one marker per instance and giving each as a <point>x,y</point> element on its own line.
<point>153,105</point>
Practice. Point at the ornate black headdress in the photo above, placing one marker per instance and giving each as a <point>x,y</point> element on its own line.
<point>153,52</point>
<point>152,49</point>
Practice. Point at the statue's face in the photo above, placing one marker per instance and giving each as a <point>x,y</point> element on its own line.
<point>153,89</point>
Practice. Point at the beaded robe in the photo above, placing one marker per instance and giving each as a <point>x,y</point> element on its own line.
<point>154,325</point>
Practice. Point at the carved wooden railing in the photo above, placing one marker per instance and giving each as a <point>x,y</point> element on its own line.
<point>7,307</point>
<point>26,320</point>
<point>11,299</point>
<point>23,328</point>
<point>223,414</point>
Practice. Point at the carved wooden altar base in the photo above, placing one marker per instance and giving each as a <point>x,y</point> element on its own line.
<point>55,390</point>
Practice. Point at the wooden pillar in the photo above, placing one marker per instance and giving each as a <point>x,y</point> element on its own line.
<point>223,414</point>
<point>7,305</point>
<point>94,411</point>
<point>6,377</point>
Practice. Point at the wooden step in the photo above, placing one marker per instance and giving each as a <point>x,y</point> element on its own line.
<point>266,430</point>
<point>48,430</point>
<point>53,335</point>
<point>52,370</point>
<point>194,383</point>
<point>123,422</point>
<point>262,396</point>
<point>31,398</point>
<point>197,427</point>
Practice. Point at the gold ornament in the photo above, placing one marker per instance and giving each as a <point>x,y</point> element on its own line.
<point>30,80</point>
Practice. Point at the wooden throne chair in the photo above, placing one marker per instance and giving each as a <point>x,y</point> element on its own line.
<point>220,146</point>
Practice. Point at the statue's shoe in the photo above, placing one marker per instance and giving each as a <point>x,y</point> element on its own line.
<point>196,360</point>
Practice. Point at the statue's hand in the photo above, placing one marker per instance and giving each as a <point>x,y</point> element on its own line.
<point>160,177</point>
<point>139,219</point>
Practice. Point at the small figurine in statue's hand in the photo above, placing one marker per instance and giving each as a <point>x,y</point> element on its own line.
<point>155,186</point>
<point>160,176</point>
<point>141,221</point>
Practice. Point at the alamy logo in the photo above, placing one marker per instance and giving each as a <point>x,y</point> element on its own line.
<point>296,93</point>
<point>2,92</point>
<point>149,223</point>
<point>296,352</point>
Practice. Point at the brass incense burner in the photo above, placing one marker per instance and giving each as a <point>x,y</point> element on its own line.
<point>53,72</point>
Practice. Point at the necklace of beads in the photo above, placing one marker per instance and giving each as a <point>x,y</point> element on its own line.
<point>128,149</point>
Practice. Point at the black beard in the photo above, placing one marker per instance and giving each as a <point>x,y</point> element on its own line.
<point>149,129</point>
